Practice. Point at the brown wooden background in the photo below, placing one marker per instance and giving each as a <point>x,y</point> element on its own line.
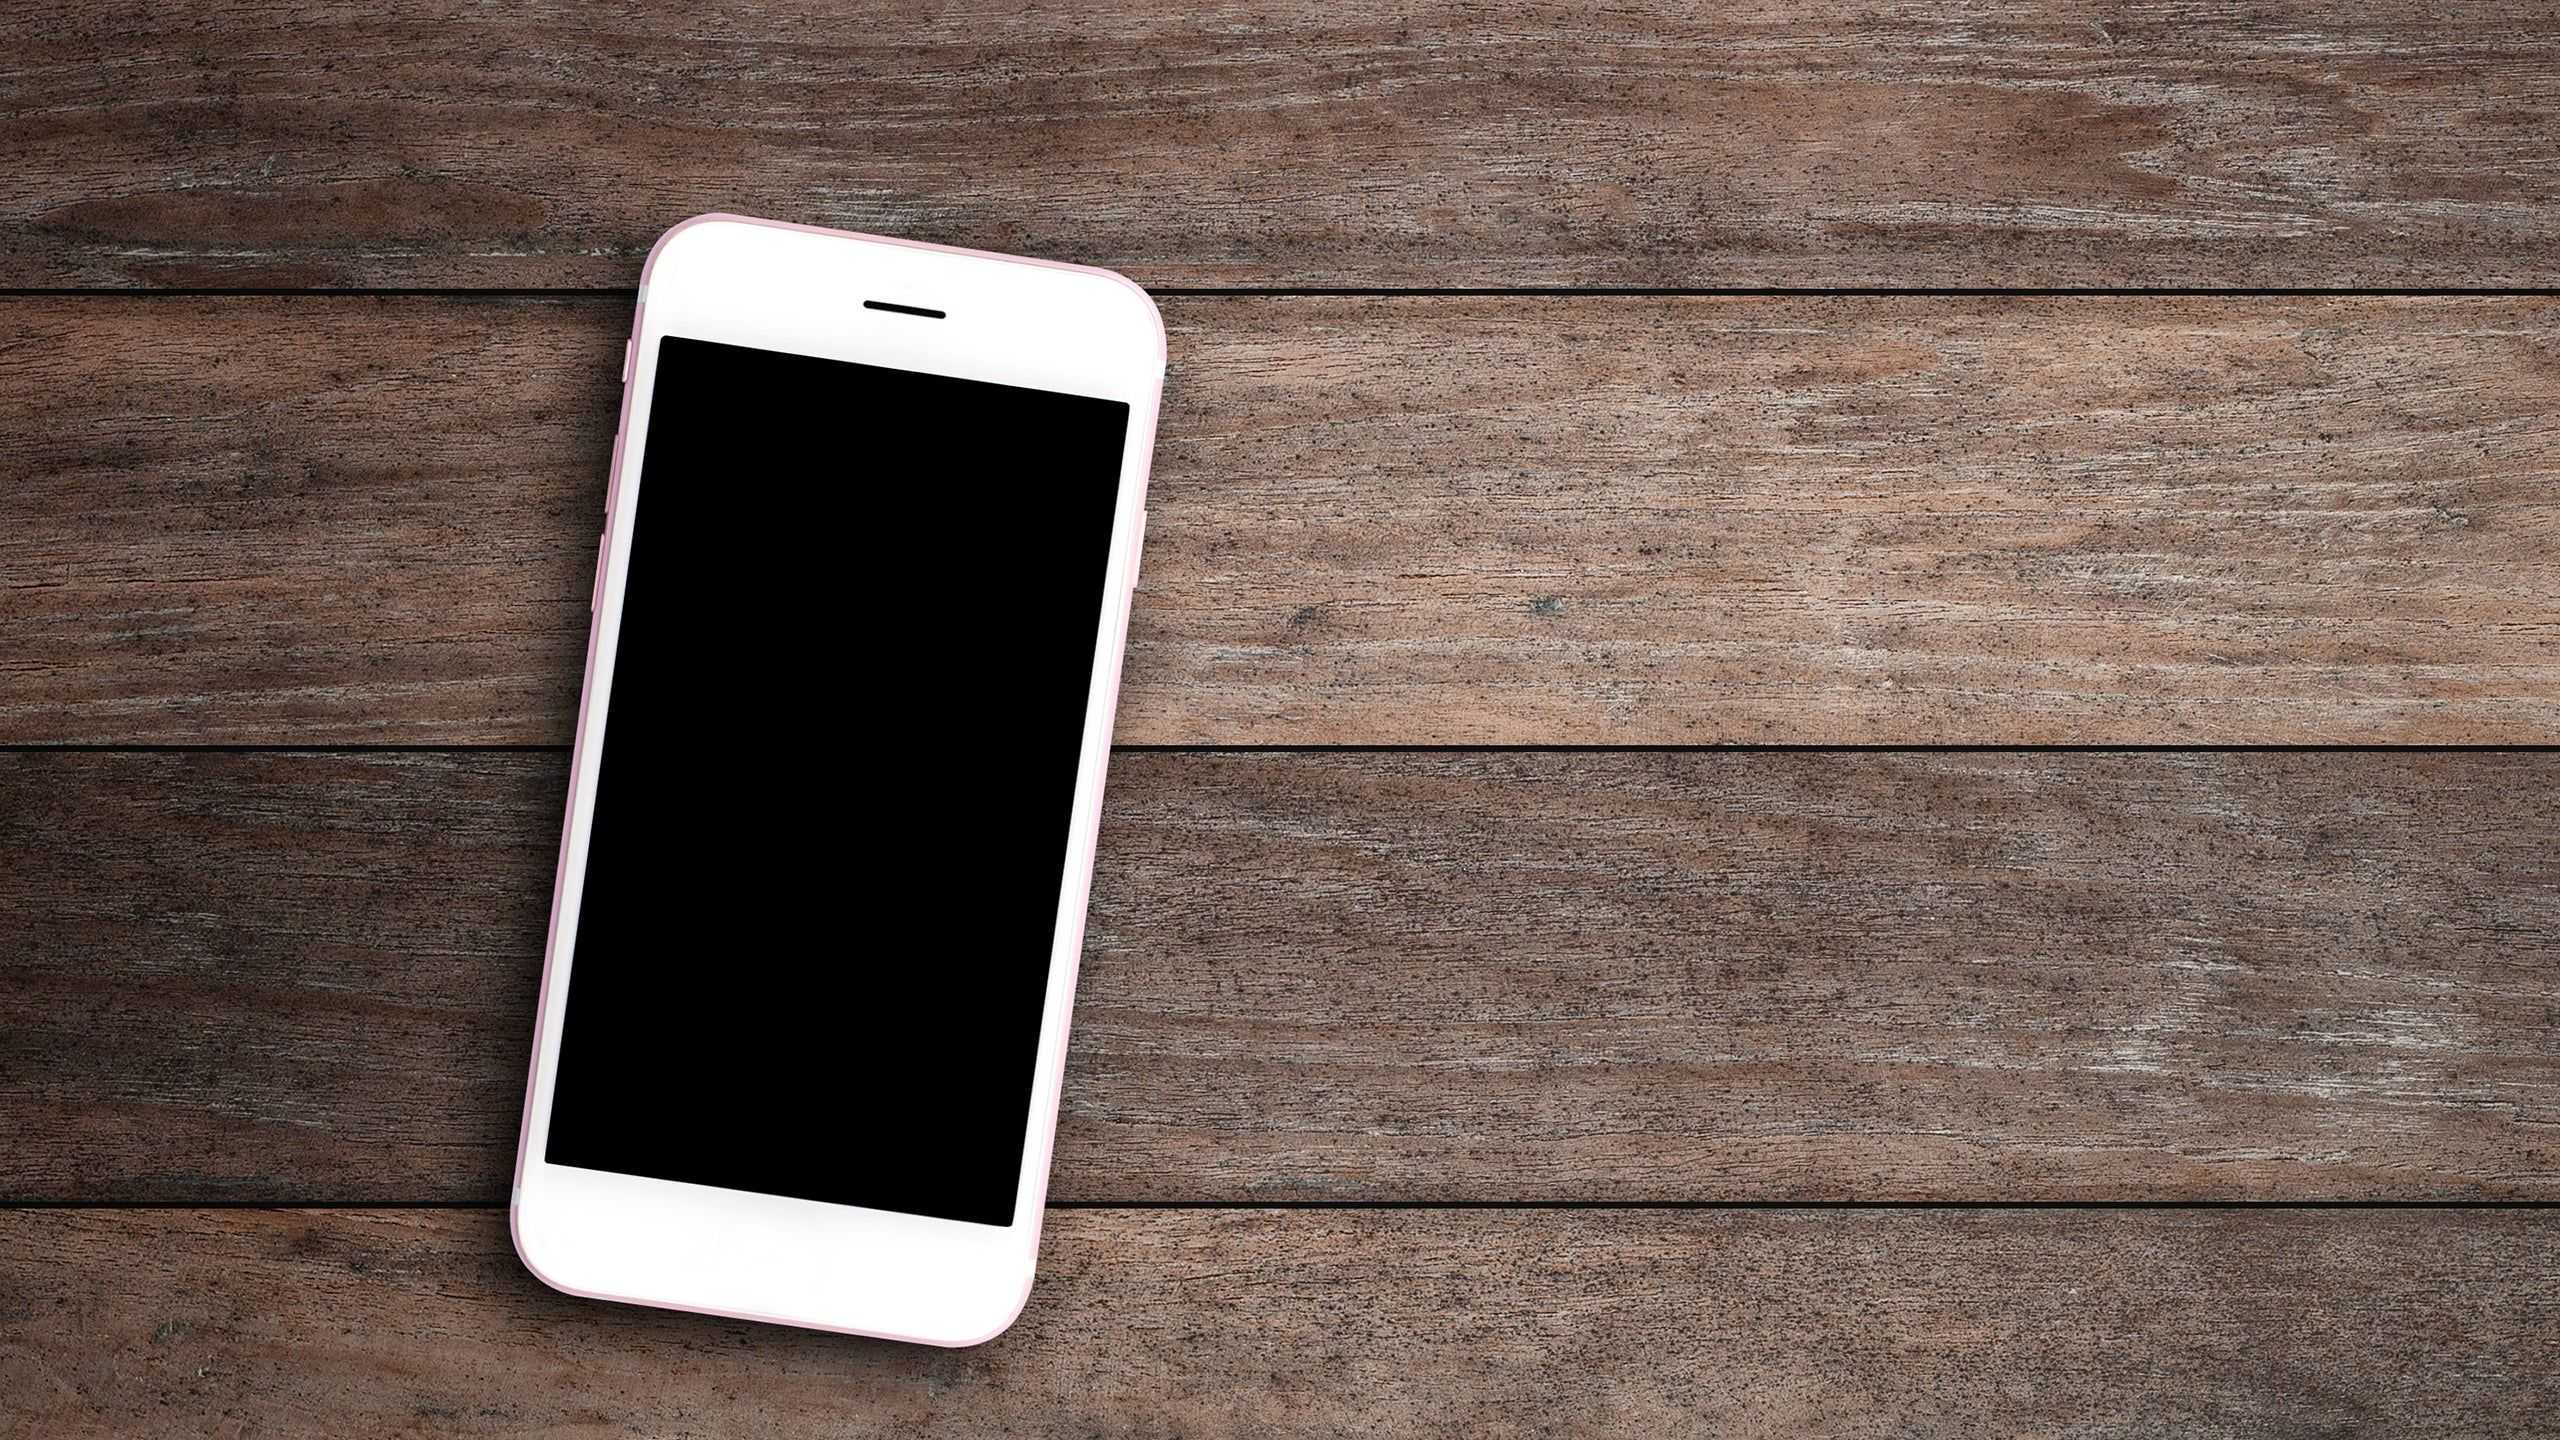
<point>1839,722</point>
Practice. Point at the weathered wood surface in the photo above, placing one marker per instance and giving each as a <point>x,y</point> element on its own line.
<point>1328,978</point>
<point>1494,1323</point>
<point>1716,975</point>
<point>1922,144</point>
<point>1525,519</point>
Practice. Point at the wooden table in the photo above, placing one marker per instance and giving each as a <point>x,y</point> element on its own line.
<point>1840,721</point>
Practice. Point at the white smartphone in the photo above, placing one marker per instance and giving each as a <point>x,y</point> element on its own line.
<point>868,552</point>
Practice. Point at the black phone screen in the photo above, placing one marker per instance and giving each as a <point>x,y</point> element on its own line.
<point>832,813</point>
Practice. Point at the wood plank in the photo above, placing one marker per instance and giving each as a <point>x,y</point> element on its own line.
<point>1920,144</point>
<point>1509,520</point>
<point>1411,977</point>
<point>1921,1323</point>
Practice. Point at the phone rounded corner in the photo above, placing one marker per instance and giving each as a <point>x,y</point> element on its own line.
<point>667,238</point>
<point>1149,318</point>
<point>517,1237</point>
<point>1005,1318</point>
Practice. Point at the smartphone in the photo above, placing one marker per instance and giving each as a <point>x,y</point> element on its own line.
<point>868,552</point>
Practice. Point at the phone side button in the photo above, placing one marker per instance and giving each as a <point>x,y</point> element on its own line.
<point>595,597</point>
<point>630,348</point>
<point>1138,550</point>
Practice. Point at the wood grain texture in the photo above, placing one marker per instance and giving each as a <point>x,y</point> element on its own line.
<point>1433,977</point>
<point>1518,520</point>
<point>1917,144</point>
<point>1152,1323</point>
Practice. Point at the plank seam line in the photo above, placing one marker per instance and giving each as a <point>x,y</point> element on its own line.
<point>1739,748</point>
<point>1828,748</point>
<point>1417,1205</point>
<point>1561,292</point>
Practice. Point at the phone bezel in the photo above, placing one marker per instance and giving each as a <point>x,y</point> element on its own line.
<point>1006,320</point>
